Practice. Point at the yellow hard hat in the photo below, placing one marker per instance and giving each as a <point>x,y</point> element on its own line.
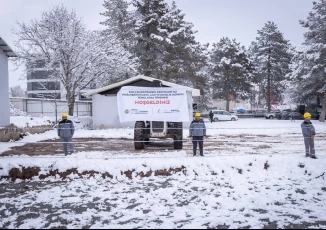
<point>306,115</point>
<point>64,115</point>
<point>197,114</point>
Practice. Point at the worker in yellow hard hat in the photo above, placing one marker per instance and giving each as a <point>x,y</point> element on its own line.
<point>309,132</point>
<point>197,132</point>
<point>66,130</point>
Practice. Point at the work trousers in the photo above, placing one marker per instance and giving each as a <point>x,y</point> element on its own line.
<point>198,141</point>
<point>309,143</point>
<point>68,147</point>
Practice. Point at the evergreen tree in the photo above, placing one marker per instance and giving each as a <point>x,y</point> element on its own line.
<point>184,60</point>
<point>182,52</point>
<point>310,66</point>
<point>162,42</point>
<point>272,55</point>
<point>303,90</point>
<point>120,26</point>
<point>230,71</point>
<point>119,21</point>
<point>150,35</point>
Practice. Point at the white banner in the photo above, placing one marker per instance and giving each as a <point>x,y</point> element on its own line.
<point>153,104</point>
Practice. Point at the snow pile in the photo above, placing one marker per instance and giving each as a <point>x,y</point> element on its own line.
<point>16,112</point>
<point>28,121</point>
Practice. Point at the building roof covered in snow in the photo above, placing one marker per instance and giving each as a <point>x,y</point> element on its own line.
<point>6,48</point>
<point>141,81</point>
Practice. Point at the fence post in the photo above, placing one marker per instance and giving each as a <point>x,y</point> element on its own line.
<point>42,107</point>
<point>26,103</point>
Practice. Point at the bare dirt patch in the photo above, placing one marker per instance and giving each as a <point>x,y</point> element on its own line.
<point>54,147</point>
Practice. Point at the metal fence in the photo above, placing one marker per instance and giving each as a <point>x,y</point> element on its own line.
<point>49,107</point>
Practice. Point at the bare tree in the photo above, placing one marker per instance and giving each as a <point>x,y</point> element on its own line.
<point>17,91</point>
<point>83,56</point>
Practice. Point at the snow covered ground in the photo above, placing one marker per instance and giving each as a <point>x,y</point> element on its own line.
<point>256,177</point>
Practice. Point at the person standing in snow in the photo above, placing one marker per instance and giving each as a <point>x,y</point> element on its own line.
<point>197,132</point>
<point>211,116</point>
<point>66,130</point>
<point>309,132</point>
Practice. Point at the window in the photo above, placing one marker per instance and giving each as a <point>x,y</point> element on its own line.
<point>42,74</point>
<point>32,86</point>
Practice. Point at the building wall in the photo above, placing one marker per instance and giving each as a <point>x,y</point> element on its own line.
<point>44,83</point>
<point>105,113</point>
<point>4,91</point>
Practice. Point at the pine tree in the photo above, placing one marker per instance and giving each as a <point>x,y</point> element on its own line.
<point>303,90</point>
<point>163,43</point>
<point>230,71</point>
<point>310,68</point>
<point>150,36</point>
<point>272,54</point>
<point>184,59</point>
<point>119,22</point>
<point>182,52</point>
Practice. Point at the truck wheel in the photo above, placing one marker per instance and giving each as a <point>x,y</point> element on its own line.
<point>139,135</point>
<point>178,135</point>
<point>146,141</point>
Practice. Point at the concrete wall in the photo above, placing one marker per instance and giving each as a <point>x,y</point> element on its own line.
<point>4,91</point>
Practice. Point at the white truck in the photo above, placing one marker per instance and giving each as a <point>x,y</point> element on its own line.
<point>158,112</point>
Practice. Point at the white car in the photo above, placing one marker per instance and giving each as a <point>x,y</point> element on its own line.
<point>222,115</point>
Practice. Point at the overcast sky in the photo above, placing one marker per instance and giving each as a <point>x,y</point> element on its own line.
<point>213,19</point>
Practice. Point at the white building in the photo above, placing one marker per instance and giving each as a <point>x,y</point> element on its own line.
<point>44,82</point>
<point>105,106</point>
<point>5,53</point>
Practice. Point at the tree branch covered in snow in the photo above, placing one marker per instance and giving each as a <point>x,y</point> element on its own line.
<point>309,68</point>
<point>61,39</point>
<point>230,70</point>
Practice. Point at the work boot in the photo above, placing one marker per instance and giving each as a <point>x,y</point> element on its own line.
<point>313,157</point>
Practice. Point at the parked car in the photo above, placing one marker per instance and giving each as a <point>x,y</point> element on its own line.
<point>222,115</point>
<point>284,115</point>
<point>241,111</point>
<point>272,114</point>
<point>259,113</point>
<point>296,116</point>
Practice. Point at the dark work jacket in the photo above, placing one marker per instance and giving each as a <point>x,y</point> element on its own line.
<point>66,128</point>
<point>197,128</point>
<point>308,129</point>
